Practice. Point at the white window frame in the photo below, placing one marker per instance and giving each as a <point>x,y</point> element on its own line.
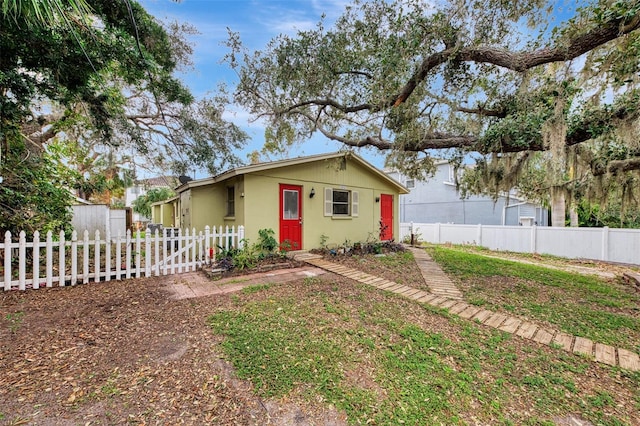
<point>410,183</point>
<point>231,201</point>
<point>353,203</point>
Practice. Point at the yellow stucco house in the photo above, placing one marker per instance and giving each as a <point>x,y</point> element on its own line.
<point>331,197</point>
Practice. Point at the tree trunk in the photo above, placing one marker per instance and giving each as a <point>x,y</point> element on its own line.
<point>573,216</point>
<point>558,207</point>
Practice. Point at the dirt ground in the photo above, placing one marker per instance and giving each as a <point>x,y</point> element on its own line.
<point>124,353</point>
<point>127,353</point>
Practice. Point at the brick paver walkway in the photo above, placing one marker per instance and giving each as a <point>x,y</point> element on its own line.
<point>439,283</point>
<point>197,284</point>
<point>445,295</point>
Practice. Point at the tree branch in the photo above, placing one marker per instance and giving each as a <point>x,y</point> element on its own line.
<point>620,166</point>
<point>483,112</point>
<point>521,61</point>
<point>328,102</point>
<point>361,73</point>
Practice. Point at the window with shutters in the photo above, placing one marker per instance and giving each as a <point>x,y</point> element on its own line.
<point>340,203</point>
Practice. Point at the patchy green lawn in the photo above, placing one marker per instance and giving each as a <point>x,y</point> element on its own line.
<point>603,310</point>
<point>386,360</point>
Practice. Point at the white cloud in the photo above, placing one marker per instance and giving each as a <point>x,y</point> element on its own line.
<point>331,8</point>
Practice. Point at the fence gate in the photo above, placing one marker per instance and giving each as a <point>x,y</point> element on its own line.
<point>179,253</point>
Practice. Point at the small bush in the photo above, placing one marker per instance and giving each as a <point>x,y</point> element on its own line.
<point>267,241</point>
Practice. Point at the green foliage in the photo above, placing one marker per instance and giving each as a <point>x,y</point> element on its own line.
<point>267,242</point>
<point>240,258</point>
<point>142,204</point>
<point>581,305</point>
<point>245,258</point>
<point>32,193</point>
<point>36,13</point>
<point>104,76</point>
<point>611,214</point>
<point>15,320</point>
<point>96,175</point>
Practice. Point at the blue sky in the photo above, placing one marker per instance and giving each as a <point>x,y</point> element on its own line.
<point>257,22</point>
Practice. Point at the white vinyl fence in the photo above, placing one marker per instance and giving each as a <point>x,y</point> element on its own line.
<point>56,261</point>
<point>609,244</point>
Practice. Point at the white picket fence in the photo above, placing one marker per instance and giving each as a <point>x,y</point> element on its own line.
<point>47,263</point>
<point>608,244</point>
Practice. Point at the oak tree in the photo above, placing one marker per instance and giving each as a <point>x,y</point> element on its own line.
<point>104,73</point>
<point>504,81</point>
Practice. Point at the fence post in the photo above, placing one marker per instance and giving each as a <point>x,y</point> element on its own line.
<point>127,251</point>
<point>96,257</point>
<point>241,237</point>
<point>164,251</point>
<point>22,260</point>
<point>605,243</point>
<point>147,253</point>
<point>118,256</point>
<point>74,257</point>
<point>107,255</point>
<point>62,265</point>
<point>217,239</point>
<point>207,247</point>
<point>49,258</point>
<point>534,239</point>
<point>138,254</point>
<point>436,231</point>
<point>178,256</point>
<point>479,243</point>
<point>7,261</point>
<point>194,251</point>
<point>35,282</point>
<point>185,249</point>
<point>201,255</point>
<point>173,250</point>
<point>156,258</point>
<point>85,257</point>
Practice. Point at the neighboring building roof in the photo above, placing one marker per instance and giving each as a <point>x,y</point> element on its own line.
<point>292,162</point>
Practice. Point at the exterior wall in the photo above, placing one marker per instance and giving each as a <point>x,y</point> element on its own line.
<point>262,201</point>
<point>163,214</point>
<point>437,201</point>
<point>209,205</point>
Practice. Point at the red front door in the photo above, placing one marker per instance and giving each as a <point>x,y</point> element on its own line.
<point>290,217</point>
<point>386,217</point>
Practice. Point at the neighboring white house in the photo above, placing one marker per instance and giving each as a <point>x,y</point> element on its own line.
<point>141,187</point>
<point>437,200</point>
